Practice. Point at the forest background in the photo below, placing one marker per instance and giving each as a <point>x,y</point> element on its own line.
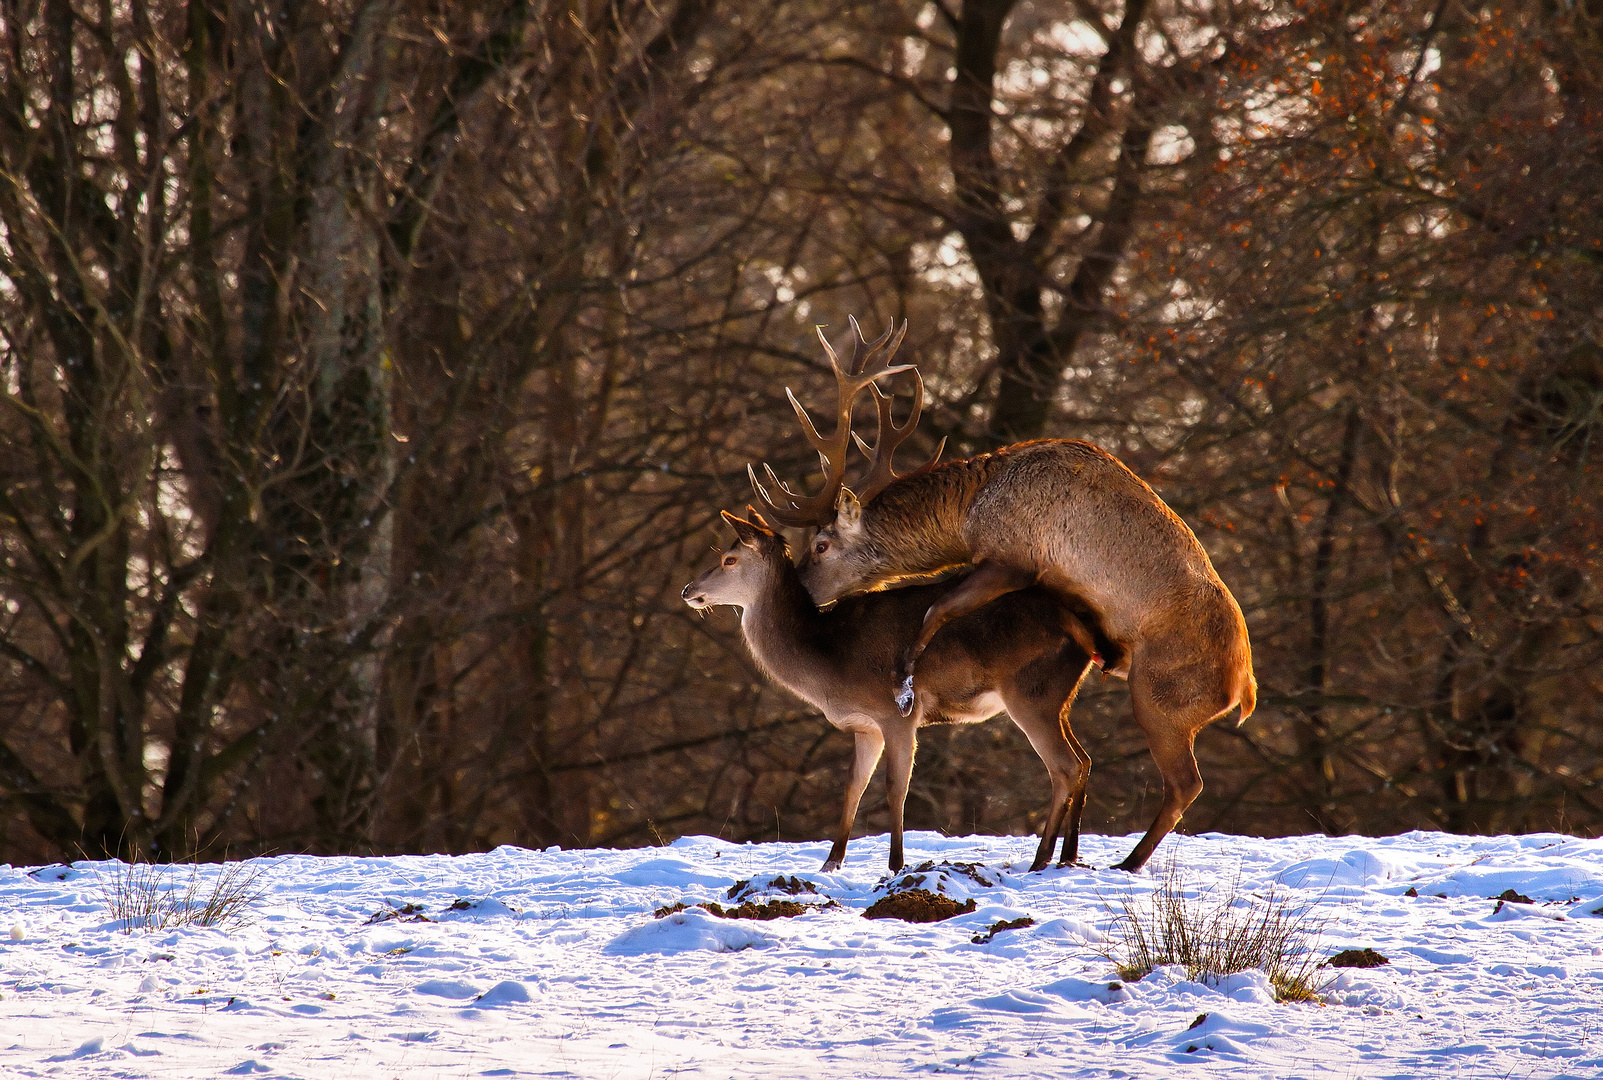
<point>374,371</point>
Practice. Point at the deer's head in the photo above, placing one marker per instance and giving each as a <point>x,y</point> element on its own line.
<point>840,558</point>
<point>745,570</point>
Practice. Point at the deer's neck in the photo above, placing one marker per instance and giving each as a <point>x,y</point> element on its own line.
<point>916,524</point>
<point>787,636</point>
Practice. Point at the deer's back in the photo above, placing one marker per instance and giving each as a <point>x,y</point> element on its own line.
<point>1093,529</point>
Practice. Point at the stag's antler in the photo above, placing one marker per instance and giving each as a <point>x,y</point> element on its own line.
<point>864,368</point>
<point>880,472</point>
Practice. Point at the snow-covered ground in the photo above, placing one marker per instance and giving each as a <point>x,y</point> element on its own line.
<point>552,964</point>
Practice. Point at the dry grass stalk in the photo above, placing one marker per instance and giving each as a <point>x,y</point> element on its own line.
<point>1217,932</point>
<point>157,896</point>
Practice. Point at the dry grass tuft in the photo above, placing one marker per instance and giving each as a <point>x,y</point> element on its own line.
<point>157,896</point>
<point>1217,932</point>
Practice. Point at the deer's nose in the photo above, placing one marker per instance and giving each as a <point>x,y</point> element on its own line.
<point>684,594</point>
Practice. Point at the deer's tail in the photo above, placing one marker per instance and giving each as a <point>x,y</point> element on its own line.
<point>1249,698</point>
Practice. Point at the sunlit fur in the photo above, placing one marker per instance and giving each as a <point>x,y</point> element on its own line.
<point>1070,516</point>
<point>913,531</point>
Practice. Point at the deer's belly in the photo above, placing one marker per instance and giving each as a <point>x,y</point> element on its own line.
<point>967,710</point>
<point>856,721</point>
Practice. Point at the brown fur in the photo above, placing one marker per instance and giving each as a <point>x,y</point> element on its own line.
<point>1020,653</point>
<point>1070,516</point>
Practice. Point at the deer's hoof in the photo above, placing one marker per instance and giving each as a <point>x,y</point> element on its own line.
<point>904,696</point>
<point>830,866</point>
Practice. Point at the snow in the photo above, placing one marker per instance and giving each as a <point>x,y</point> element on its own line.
<point>551,964</point>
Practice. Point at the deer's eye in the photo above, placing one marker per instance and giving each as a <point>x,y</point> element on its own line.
<point>820,547</point>
<point>730,560</point>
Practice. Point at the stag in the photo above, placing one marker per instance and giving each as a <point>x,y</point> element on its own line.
<point>1020,654</point>
<point>1059,513</point>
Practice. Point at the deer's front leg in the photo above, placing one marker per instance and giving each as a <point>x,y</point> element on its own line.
<point>988,581</point>
<point>869,744</point>
<point>901,743</point>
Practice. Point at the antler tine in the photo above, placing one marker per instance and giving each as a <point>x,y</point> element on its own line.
<point>860,373</point>
<point>881,471</point>
<point>809,429</point>
<point>780,514</point>
<point>829,351</point>
<point>780,485</point>
<point>859,339</point>
<point>892,335</point>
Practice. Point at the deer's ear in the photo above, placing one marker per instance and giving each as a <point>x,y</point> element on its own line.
<point>848,511</point>
<point>748,534</point>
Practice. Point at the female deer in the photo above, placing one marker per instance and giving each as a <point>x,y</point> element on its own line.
<point>1019,654</point>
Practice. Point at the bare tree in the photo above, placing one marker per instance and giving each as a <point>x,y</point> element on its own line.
<point>373,373</point>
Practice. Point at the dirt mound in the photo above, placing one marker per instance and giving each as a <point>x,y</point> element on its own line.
<point>774,909</point>
<point>917,906</point>
<point>997,927</point>
<point>793,886</point>
<point>915,877</point>
<point>1357,958</point>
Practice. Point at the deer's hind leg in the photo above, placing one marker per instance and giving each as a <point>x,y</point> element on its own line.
<point>1039,704</point>
<point>869,745</point>
<point>1071,834</point>
<point>1171,705</point>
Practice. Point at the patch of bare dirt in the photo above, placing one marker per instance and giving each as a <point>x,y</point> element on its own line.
<point>791,886</point>
<point>773,909</point>
<point>404,913</point>
<point>978,873</point>
<point>917,906</point>
<point>1509,896</point>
